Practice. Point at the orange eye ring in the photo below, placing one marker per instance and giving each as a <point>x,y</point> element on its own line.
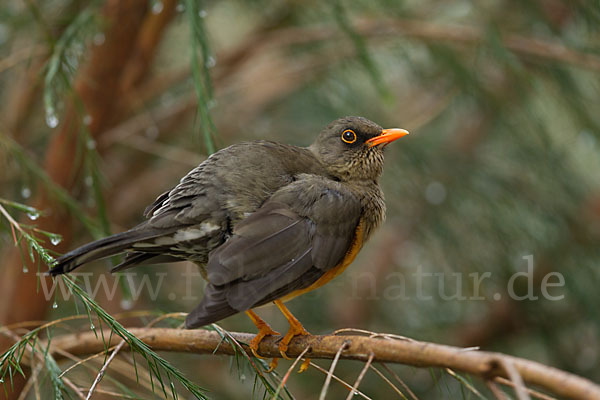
<point>348,136</point>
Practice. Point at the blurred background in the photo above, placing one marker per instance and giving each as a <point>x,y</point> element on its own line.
<point>106,104</point>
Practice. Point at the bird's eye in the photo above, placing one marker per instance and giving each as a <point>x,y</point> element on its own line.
<point>348,136</point>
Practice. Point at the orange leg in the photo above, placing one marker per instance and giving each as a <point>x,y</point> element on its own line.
<point>296,329</point>
<point>263,330</point>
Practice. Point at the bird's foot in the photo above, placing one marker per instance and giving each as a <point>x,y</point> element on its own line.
<point>255,342</point>
<point>263,330</point>
<point>296,329</point>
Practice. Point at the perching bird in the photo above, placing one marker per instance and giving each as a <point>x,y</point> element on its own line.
<point>265,221</point>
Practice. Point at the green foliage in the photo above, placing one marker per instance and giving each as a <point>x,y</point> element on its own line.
<point>11,359</point>
<point>64,61</point>
<point>200,71</point>
<point>28,165</point>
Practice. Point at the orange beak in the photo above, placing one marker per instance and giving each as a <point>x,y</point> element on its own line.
<point>387,136</point>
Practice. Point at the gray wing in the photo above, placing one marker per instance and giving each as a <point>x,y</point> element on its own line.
<point>301,232</point>
<point>198,214</point>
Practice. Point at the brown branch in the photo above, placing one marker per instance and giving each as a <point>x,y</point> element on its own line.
<point>103,370</point>
<point>487,365</point>
<point>438,33</point>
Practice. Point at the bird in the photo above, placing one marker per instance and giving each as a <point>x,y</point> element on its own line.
<point>264,221</point>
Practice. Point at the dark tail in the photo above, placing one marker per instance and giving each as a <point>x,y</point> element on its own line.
<point>102,248</point>
<point>214,307</point>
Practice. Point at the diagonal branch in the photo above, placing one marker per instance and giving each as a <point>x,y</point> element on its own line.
<point>103,369</point>
<point>486,365</point>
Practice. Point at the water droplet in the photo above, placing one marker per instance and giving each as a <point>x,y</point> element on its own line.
<point>242,377</point>
<point>157,7</point>
<point>1,380</point>
<point>25,269</point>
<point>180,7</point>
<point>435,193</point>
<point>55,239</point>
<point>33,215</point>
<point>87,120</point>
<point>51,119</point>
<point>126,304</point>
<point>202,13</point>
<point>91,144</point>
<point>99,39</point>
<point>55,305</point>
<point>25,192</point>
<point>211,62</point>
<point>92,326</point>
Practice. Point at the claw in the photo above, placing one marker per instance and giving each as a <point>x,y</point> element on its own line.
<point>296,329</point>
<point>304,366</point>
<point>273,365</point>
<point>263,330</point>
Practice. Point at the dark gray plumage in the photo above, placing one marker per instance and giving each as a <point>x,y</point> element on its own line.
<point>262,219</point>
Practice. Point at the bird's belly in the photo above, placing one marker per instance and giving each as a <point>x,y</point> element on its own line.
<point>335,271</point>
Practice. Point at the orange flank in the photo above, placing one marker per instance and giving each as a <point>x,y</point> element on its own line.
<point>335,271</point>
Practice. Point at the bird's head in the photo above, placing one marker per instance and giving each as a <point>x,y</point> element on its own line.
<point>351,148</point>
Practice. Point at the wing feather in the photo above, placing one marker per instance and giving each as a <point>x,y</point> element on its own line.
<point>305,229</point>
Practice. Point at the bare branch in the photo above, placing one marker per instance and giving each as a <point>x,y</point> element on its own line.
<point>103,370</point>
<point>421,354</point>
<point>331,369</point>
<point>341,381</point>
<point>360,377</point>
<point>516,379</point>
<point>533,393</point>
<point>404,385</point>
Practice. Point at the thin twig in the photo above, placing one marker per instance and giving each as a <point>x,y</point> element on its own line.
<point>331,369</point>
<point>378,372</point>
<point>496,391</point>
<point>463,382</point>
<point>288,373</point>
<point>83,360</point>
<point>74,387</point>
<point>371,334</point>
<point>343,382</point>
<point>353,330</point>
<point>360,377</point>
<point>11,219</point>
<point>516,379</point>
<point>22,55</point>
<point>404,385</point>
<point>32,382</point>
<point>40,356</point>
<point>103,369</point>
<point>120,366</point>
<point>115,394</point>
<point>175,315</point>
<point>534,393</point>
